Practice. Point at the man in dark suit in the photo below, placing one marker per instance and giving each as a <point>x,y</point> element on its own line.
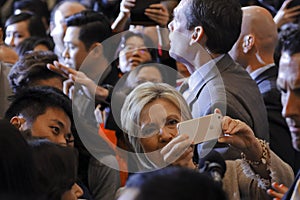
<point>288,81</point>
<point>202,33</point>
<point>254,51</point>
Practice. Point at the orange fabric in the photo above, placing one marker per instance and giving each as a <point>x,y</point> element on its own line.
<point>109,136</point>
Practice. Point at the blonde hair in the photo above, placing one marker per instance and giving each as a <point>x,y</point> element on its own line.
<point>139,98</point>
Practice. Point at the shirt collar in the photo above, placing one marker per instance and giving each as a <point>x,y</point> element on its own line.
<point>259,71</point>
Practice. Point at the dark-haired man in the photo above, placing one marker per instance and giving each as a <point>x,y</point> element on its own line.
<point>84,38</point>
<point>84,50</point>
<point>288,82</point>
<point>202,33</point>
<point>58,26</point>
<point>43,112</point>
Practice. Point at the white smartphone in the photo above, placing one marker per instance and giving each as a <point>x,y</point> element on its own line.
<point>202,129</point>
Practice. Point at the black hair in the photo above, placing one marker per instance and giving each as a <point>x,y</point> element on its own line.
<point>147,41</point>
<point>30,43</point>
<point>175,183</point>
<point>94,27</point>
<point>291,40</point>
<point>285,39</point>
<point>35,24</point>
<point>30,68</point>
<point>56,167</point>
<point>17,168</point>
<point>37,7</point>
<point>220,19</point>
<point>34,101</point>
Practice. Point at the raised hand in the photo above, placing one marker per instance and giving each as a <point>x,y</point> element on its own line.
<point>285,14</point>
<point>158,13</point>
<point>179,152</point>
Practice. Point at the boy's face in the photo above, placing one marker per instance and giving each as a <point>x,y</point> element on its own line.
<point>54,125</point>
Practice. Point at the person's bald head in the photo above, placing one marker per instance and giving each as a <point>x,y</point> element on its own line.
<point>258,37</point>
<point>68,8</point>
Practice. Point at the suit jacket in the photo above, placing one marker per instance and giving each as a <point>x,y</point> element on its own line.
<point>289,193</point>
<point>280,137</point>
<point>229,87</point>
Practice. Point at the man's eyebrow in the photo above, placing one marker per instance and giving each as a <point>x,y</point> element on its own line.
<point>58,122</point>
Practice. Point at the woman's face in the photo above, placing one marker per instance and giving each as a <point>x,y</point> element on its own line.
<point>133,54</point>
<point>158,120</point>
<point>149,73</point>
<point>16,33</point>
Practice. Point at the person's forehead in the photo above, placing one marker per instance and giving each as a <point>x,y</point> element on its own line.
<point>70,8</point>
<point>72,33</point>
<point>20,26</point>
<point>178,10</point>
<point>289,70</point>
<point>149,70</point>
<point>135,40</point>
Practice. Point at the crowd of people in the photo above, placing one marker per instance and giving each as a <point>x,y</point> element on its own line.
<point>92,93</point>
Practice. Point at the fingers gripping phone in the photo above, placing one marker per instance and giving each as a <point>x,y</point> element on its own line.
<point>202,129</point>
<point>137,13</point>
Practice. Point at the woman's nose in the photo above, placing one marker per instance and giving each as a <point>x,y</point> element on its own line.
<point>166,135</point>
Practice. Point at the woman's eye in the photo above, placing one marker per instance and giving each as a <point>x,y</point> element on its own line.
<point>55,130</point>
<point>17,35</point>
<point>172,122</point>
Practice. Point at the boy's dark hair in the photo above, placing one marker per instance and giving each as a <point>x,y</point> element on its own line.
<point>221,21</point>
<point>34,101</point>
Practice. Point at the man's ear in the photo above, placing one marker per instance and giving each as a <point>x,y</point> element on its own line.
<point>18,122</point>
<point>96,50</point>
<point>197,35</point>
<point>248,43</point>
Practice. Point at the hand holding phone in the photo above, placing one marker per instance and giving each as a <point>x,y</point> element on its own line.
<point>138,16</point>
<point>202,129</point>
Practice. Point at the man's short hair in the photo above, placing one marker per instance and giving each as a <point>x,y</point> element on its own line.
<point>94,27</point>
<point>34,101</point>
<point>30,68</point>
<point>220,19</point>
<point>291,42</point>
